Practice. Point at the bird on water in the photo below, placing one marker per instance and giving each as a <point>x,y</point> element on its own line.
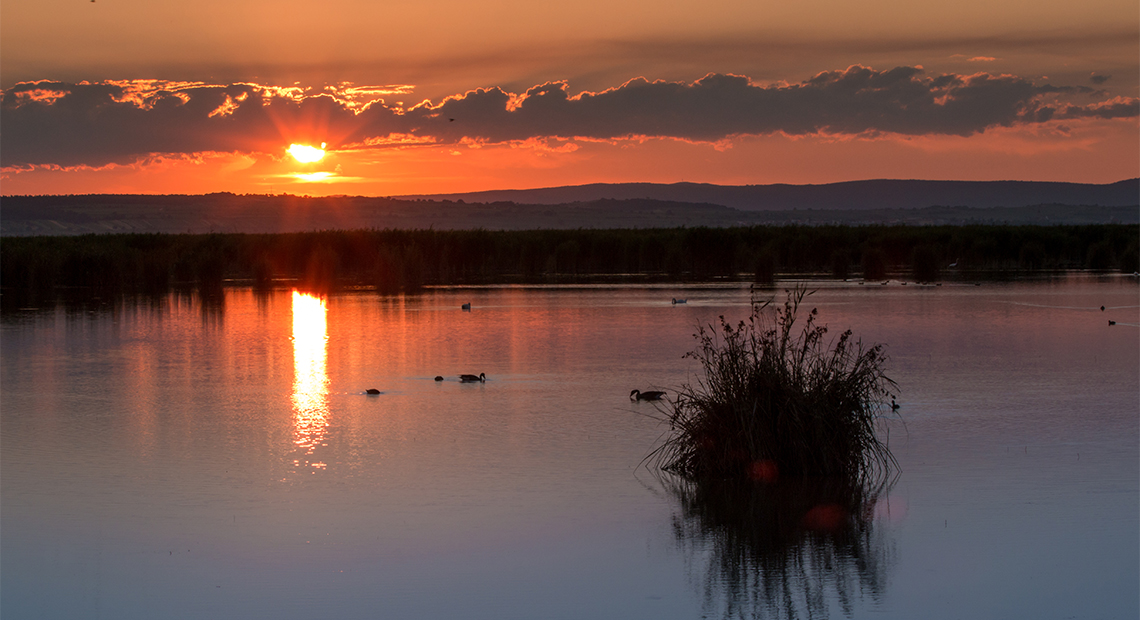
<point>650,395</point>
<point>466,306</point>
<point>679,301</point>
<point>372,391</point>
<point>482,378</point>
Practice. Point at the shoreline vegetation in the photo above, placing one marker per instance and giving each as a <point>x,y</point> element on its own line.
<point>34,270</point>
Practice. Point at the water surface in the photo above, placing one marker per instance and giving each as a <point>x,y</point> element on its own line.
<point>179,460</point>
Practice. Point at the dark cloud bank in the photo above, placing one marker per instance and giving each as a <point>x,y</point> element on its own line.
<point>62,124</point>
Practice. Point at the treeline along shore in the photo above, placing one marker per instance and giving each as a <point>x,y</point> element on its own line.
<point>34,269</point>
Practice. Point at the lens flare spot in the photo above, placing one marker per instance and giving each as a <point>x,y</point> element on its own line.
<point>764,471</point>
<point>306,154</point>
<point>825,518</point>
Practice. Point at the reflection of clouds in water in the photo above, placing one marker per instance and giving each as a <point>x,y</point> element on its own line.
<point>794,549</point>
<point>310,375</point>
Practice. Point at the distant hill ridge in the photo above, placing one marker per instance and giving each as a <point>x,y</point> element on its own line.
<point>614,206</point>
<point>869,194</point>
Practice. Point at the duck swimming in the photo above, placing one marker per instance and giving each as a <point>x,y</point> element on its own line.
<point>650,395</point>
<point>482,378</point>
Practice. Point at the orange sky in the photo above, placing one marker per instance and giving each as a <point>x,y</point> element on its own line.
<point>1005,90</point>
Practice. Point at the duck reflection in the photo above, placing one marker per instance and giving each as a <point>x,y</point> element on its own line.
<point>791,549</point>
<point>310,374</point>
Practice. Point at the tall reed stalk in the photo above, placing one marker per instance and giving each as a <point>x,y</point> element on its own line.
<point>776,399</point>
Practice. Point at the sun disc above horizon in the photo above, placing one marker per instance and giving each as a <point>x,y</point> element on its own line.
<point>306,154</point>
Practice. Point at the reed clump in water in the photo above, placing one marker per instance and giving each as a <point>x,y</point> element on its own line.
<point>777,400</point>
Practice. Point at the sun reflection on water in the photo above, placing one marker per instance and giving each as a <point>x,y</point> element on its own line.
<point>310,374</point>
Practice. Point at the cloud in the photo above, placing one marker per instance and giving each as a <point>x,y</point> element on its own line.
<point>1098,78</point>
<point>119,122</point>
<point>1117,107</point>
<point>93,124</point>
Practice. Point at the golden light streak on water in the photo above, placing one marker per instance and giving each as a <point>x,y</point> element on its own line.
<point>310,373</point>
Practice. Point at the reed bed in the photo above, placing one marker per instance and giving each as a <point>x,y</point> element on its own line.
<point>777,399</point>
<point>405,260</point>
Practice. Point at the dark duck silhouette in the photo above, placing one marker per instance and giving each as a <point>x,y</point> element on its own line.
<point>482,378</point>
<point>650,395</point>
<point>372,391</point>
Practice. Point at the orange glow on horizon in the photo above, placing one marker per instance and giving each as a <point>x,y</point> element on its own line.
<point>313,177</point>
<point>321,177</point>
<point>1077,150</point>
<point>306,154</point>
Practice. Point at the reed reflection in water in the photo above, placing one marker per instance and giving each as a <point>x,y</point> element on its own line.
<point>790,549</point>
<point>310,375</point>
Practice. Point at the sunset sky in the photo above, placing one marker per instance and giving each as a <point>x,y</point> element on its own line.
<point>138,96</point>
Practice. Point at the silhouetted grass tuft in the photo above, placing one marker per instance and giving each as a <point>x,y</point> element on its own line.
<point>776,400</point>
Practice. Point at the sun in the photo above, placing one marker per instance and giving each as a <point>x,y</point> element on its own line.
<point>306,154</point>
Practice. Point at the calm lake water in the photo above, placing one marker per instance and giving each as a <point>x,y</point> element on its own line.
<point>175,460</point>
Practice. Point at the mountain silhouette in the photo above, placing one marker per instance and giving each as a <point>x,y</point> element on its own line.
<point>870,194</point>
